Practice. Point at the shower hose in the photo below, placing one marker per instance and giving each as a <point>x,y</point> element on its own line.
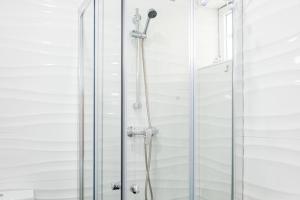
<point>148,138</point>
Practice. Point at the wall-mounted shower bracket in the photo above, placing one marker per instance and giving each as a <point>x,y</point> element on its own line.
<point>138,35</point>
<point>134,131</point>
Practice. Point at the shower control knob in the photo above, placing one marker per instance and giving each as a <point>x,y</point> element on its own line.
<point>135,189</point>
<point>115,186</point>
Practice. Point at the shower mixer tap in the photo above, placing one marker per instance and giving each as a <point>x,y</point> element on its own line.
<point>134,131</point>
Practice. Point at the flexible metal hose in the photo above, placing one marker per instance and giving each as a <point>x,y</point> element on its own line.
<point>148,152</point>
<point>148,164</point>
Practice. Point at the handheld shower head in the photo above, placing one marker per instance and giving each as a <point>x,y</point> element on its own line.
<point>151,14</point>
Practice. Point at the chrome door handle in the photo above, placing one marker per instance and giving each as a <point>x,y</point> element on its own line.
<point>115,186</point>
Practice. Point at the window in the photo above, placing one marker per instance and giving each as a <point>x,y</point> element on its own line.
<point>228,36</point>
<point>225,33</point>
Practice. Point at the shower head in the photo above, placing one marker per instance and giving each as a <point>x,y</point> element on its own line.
<point>151,14</point>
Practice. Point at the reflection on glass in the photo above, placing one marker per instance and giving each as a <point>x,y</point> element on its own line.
<point>213,164</point>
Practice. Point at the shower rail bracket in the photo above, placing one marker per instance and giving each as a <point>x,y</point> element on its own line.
<point>138,34</point>
<point>134,131</point>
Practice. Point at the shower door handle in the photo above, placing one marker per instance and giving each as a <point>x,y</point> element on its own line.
<point>115,186</point>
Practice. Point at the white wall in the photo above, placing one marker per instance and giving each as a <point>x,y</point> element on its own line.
<point>38,97</point>
<point>272,109</point>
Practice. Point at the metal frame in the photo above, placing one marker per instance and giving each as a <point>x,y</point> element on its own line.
<point>81,111</point>
<point>192,85</point>
<point>238,103</point>
<point>123,110</point>
<point>81,13</point>
<point>98,37</point>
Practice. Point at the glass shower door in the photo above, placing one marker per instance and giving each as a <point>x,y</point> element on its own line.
<point>150,131</point>
<point>214,100</point>
<point>100,167</point>
<point>157,100</point>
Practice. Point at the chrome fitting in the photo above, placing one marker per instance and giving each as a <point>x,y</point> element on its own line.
<point>132,131</point>
<point>137,34</point>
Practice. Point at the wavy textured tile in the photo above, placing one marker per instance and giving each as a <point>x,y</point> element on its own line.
<point>272,48</point>
<point>38,98</point>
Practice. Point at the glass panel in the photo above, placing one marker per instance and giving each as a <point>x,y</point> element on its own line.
<point>39,99</point>
<point>214,131</point>
<point>238,99</point>
<point>156,64</point>
<point>109,86</point>
<point>213,96</point>
<point>87,98</point>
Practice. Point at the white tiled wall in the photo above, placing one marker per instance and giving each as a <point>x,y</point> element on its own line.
<point>38,97</point>
<point>272,109</point>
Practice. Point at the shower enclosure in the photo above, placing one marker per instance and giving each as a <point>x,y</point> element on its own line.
<point>157,118</point>
<point>127,99</point>
<point>149,99</point>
